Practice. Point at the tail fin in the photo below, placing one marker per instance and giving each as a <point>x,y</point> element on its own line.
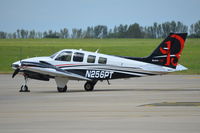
<point>169,51</point>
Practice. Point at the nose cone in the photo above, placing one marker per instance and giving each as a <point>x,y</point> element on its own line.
<point>16,65</point>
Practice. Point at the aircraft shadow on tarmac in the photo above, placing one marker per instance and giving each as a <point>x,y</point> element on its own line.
<point>119,90</point>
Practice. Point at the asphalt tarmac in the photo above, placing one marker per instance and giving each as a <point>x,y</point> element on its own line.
<point>158,104</point>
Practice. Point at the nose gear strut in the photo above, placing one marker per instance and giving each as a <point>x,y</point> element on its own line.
<point>24,87</point>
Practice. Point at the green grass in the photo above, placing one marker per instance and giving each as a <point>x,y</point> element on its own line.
<point>10,49</point>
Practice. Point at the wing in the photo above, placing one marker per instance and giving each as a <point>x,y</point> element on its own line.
<point>48,69</point>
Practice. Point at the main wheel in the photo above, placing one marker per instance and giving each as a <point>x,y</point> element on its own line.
<point>89,86</point>
<point>62,89</point>
<point>24,88</point>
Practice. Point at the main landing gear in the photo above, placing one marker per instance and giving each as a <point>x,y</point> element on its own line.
<point>89,85</point>
<point>24,87</point>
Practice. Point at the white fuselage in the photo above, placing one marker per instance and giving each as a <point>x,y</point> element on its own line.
<point>113,64</point>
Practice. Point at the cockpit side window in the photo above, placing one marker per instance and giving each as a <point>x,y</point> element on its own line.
<point>102,60</point>
<point>78,57</point>
<point>64,56</point>
<point>91,59</point>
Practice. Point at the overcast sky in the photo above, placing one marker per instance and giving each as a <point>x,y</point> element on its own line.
<point>56,14</point>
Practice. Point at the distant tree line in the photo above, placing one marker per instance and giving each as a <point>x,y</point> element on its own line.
<point>101,31</point>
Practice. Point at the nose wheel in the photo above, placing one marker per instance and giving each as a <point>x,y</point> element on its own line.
<point>24,87</point>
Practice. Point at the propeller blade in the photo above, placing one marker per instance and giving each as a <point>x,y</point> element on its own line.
<point>15,72</point>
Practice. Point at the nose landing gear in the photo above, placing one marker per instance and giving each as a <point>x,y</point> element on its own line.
<point>24,87</point>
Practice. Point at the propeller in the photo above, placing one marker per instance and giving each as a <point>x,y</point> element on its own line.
<point>18,69</point>
<point>15,72</point>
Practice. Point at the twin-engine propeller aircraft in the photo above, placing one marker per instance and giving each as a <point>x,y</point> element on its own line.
<point>71,64</point>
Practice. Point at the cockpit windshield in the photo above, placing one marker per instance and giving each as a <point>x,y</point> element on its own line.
<point>52,56</point>
<point>64,56</point>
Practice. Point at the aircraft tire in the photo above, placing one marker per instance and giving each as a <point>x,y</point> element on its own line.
<point>89,86</point>
<point>24,88</point>
<point>62,89</point>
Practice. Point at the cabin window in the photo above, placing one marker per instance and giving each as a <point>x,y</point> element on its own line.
<point>64,56</point>
<point>91,59</point>
<point>102,60</point>
<point>78,57</point>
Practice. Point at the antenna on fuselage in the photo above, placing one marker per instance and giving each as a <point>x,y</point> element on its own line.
<point>97,51</point>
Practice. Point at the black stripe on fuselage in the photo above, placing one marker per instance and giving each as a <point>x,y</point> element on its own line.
<point>106,69</point>
<point>115,74</point>
<point>115,70</point>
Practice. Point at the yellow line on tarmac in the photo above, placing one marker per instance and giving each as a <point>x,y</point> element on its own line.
<point>173,104</point>
<point>192,77</point>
